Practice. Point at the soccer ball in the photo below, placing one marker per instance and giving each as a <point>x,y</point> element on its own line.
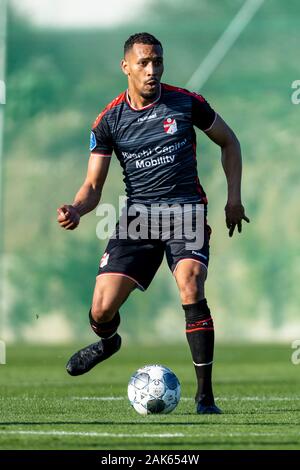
<point>154,389</point>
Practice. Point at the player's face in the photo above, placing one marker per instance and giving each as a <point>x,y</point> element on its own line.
<point>143,64</point>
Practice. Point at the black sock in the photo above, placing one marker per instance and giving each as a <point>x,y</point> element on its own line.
<point>200,336</point>
<point>106,331</point>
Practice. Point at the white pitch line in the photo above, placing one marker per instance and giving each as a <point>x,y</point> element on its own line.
<point>143,435</point>
<point>259,398</point>
<point>233,398</point>
<point>92,434</point>
<point>85,398</point>
<point>99,398</point>
<point>224,43</point>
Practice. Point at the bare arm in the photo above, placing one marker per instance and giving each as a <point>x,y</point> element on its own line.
<point>88,196</point>
<point>231,158</point>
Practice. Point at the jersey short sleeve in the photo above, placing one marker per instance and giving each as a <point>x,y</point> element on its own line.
<point>203,116</point>
<point>101,140</point>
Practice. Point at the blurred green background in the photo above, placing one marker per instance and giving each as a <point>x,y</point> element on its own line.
<point>59,79</point>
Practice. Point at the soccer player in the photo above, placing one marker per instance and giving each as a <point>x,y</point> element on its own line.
<point>150,128</point>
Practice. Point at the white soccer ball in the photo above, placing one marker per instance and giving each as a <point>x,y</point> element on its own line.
<point>154,389</point>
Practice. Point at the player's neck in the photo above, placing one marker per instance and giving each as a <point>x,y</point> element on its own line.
<point>137,101</point>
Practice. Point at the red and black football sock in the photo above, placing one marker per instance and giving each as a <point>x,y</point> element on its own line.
<point>107,330</point>
<point>200,336</point>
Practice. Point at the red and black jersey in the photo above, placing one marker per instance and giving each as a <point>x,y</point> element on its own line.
<point>156,145</point>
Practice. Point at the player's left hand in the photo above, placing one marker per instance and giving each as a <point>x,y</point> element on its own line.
<point>235,213</point>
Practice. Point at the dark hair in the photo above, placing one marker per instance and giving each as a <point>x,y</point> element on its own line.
<point>140,38</point>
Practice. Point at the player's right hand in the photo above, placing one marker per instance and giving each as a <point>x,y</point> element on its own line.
<point>68,217</point>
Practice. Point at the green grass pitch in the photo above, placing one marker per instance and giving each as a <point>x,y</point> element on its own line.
<point>41,407</point>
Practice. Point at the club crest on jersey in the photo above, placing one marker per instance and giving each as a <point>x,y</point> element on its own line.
<point>92,141</point>
<point>170,125</point>
<point>104,260</point>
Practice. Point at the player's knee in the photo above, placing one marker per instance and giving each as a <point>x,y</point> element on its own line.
<point>191,287</point>
<point>102,311</point>
<point>192,292</point>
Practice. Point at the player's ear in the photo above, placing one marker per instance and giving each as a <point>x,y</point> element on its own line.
<point>124,66</point>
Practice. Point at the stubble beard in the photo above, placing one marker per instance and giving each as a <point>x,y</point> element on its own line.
<point>148,95</point>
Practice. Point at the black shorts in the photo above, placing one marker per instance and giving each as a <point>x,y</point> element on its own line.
<point>139,259</point>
